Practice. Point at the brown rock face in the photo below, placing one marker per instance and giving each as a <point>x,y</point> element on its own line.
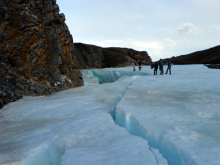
<point>98,57</point>
<point>35,44</point>
<point>121,57</point>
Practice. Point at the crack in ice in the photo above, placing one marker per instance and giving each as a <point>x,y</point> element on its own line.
<point>128,118</point>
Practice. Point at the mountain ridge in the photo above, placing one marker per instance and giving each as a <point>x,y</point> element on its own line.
<point>207,56</point>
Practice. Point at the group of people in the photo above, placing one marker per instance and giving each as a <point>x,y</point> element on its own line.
<point>134,64</point>
<point>160,64</point>
<point>155,66</point>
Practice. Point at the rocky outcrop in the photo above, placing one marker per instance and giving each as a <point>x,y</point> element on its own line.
<point>208,56</point>
<point>36,50</point>
<point>120,57</point>
<point>98,57</point>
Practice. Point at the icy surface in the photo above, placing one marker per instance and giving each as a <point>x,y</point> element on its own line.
<point>107,75</point>
<point>143,119</point>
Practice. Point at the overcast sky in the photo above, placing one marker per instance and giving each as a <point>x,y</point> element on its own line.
<point>163,28</point>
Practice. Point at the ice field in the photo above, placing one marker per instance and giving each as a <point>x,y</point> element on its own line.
<point>119,117</point>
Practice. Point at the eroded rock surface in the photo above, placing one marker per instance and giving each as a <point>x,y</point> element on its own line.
<point>36,50</point>
<point>98,57</point>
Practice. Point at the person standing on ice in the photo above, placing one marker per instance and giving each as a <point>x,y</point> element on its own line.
<point>168,67</point>
<point>155,65</point>
<point>161,66</point>
<point>139,64</point>
<point>133,64</point>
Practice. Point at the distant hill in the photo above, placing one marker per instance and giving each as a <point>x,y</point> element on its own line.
<point>208,56</point>
<point>92,56</point>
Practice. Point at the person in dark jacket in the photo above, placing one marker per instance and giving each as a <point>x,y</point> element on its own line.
<point>168,67</point>
<point>139,64</point>
<point>161,66</point>
<point>155,66</point>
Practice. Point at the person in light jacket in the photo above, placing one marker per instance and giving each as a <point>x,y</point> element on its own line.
<point>133,64</point>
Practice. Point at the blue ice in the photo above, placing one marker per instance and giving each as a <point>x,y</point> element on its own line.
<point>138,118</point>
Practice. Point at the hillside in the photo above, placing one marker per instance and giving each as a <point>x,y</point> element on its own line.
<point>97,57</point>
<point>208,56</point>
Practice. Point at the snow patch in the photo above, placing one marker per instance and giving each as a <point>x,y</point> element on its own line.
<point>62,79</point>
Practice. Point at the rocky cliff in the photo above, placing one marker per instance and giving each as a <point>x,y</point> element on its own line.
<point>98,57</point>
<point>37,54</point>
<point>36,50</point>
<point>208,56</point>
